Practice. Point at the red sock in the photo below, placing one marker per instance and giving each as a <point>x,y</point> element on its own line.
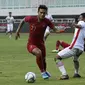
<point>57,44</point>
<point>64,44</point>
<point>40,64</point>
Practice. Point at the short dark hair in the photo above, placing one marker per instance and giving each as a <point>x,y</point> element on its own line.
<point>10,12</point>
<point>83,15</point>
<point>42,7</point>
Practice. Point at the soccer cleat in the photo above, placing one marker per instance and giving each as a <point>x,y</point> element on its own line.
<point>55,51</point>
<point>64,77</point>
<point>45,76</point>
<point>48,74</point>
<point>76,76</point>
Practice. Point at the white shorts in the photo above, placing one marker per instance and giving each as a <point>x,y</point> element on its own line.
<point>47,31</point>
<point>66,53</point>
<point>9,27</point>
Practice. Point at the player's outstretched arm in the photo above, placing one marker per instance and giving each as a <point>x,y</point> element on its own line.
<point>17,35</point>
<point>55,29</point>
<point>78,26</point>
<point>59,29</point>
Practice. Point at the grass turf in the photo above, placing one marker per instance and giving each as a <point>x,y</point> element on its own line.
<point>15,62</point>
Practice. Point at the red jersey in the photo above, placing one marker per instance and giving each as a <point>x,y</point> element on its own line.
<point>37,29</point>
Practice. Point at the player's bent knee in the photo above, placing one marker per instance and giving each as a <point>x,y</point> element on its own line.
<point>57,58</point>
<point>36,52</point>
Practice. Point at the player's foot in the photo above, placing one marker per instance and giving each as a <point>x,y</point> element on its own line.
<point>45,76</point>
<point>55,51</point>
<point>64,77</point>
<point>76,76</point>
<point>48,73</point>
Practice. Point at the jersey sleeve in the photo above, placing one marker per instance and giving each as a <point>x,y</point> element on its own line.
<point>82,23</point>
<point>6,18</point>
<point>27,19</point>
<point>50,24</point>
<point>13,19</point>
<point>51,18</point>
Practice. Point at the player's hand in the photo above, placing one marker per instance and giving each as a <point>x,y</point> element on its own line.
<point>17,36</point>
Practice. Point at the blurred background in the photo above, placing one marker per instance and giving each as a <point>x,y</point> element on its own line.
<point>63,11</point>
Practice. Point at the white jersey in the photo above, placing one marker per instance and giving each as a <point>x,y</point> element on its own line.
<point>49,17</point>
<point>79,36</point>
<point>47,31</point>
<point>10,20</point>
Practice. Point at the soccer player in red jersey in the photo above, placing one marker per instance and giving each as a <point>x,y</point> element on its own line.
<point>35,43</point>
<point>58,44</point>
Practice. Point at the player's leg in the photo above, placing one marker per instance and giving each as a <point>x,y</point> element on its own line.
<point>11,29</point>
<point>38,53</point>
<point>44,59</point>
<point>10,32</point>
<point>47,33</point>
<point>58,43</point>
<point>76,64</point>
<point>65,53</point>
<point>42,48</point>
<point>64,44</point>
<point>7,31</point>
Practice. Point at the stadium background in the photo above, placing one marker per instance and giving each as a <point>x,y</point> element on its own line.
<point>63,11</point>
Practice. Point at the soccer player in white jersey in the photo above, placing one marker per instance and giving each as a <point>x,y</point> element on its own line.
<point>75,49</point>
<point>10,21</point>
<point>47,31</point>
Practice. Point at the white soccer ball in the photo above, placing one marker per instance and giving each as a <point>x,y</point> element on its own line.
<point>30,77</point>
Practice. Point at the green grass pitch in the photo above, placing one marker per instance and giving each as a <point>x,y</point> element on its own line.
<point>15,62</point>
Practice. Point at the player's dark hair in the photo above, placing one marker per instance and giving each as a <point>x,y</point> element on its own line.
<point>83,15</point>
<point>42,7</point>
<point>76,20</point>
<point>10,12</point>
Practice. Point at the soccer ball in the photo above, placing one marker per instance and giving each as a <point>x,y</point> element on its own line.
<point>30,77</point>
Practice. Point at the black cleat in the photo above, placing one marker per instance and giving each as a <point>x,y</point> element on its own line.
<point>64,77</point>
<point>76,76</point>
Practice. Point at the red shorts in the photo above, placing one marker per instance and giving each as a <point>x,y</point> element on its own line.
<point>30,48</point>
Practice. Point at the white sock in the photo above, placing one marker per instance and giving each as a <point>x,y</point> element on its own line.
<point>60,65</point>
<point>62,70</point>
<point>76,72</point>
